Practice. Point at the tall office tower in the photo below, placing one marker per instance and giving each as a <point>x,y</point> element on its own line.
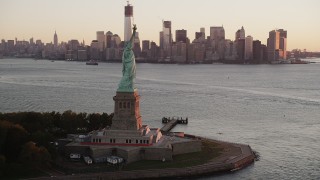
<point>203,31</point>
<point>217,37</point>
<point>283,43</point>
<point>73,44</point>
<point>248,48</point>
<point>257,52</point>
<point>101,40</point>
<point>72,49</point>
<point>55,39</point>
<point>200,36</point>
<point>264,52</point>
<point>240,34</point>
<point>38,42</point>
<point>240,44</point>
<point>94,50</point>
<point>161,39</point>
<point>274,45</point>
<point>128,19</point>
<point>116,41</point>
<point>10,45</point>
<point>31,41</point>
<point>145,45</point>
<point>217,33</point>
<point>228,51</point>
<point>108,39</point>
<point>136,45</point>
<point>167,37</point>
<point>136,38</point>
<point>154,50</point>
<point>181,36</point>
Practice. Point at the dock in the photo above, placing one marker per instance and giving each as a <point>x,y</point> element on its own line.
<point>171,123</point>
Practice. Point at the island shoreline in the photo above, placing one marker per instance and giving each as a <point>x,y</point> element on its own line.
<point>234,157</point>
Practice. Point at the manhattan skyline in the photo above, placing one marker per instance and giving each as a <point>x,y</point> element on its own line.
<point>81,19</point>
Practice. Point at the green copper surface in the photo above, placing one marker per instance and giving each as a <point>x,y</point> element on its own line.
<point>128,66</point>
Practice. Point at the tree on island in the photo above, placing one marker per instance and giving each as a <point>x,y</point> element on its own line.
<point>26,138</point>
<point>33,155</point>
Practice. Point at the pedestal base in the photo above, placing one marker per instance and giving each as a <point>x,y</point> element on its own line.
<point>126,111</point>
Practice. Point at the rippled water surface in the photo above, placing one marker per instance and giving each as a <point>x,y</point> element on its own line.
<point>273,108</point>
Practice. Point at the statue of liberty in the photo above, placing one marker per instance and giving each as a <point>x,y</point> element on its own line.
<point>128,66</point>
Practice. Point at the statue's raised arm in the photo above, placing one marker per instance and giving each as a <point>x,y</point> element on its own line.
<point>134,33</point>
<point>128,66</point>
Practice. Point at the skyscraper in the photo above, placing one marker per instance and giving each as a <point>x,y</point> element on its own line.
<point>128,19</point>
<point>116,41</point>
<point>200,36</point>
<point>277,45</point>
<point>167,37</point>
<point>101,40</point>
<point>203,31</point>
<point>55,39</point>
<point>31,41</point>
<point>240,34</point>
<point>108,39</point>
<point>257,52</point>
<point>283,43</point>
<point>136,45</point>
<point>248,48</point>
<point>217,38</point>
<point>145,45</point>
<point>217,33</point>
<point>94,50</point>
<point>181,35</point>
<point>161,39</point>
<point>240,44</point>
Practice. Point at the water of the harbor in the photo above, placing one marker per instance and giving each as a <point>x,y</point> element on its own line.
<point>273,108</point>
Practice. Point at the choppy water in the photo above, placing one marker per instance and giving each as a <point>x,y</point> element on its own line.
<point>274,108</point>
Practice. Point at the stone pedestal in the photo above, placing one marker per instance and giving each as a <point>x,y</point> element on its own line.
<point>126,111</point>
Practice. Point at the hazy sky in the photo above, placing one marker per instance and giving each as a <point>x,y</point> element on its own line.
<point>80,19</point>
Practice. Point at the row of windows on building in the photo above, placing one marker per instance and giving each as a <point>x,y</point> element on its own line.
<point>96,140</point>
<point>128,141</point>
<point>125,105</point>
